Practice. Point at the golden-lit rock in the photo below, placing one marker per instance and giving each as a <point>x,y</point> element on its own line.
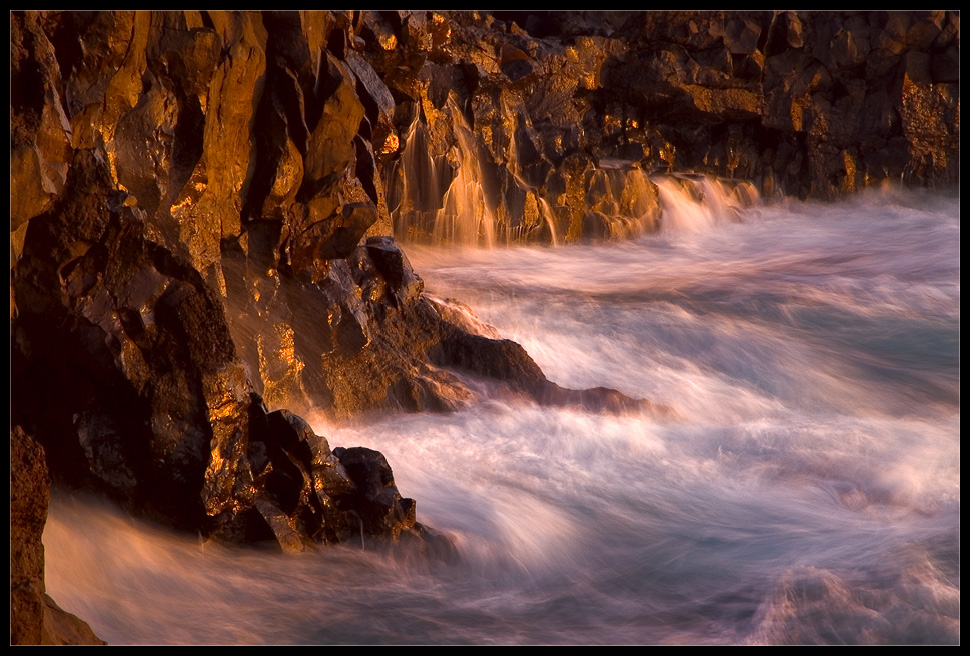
<point>196,195</point>
<point>330,146</point>
<point>40,132</point>
<point>280,368</point>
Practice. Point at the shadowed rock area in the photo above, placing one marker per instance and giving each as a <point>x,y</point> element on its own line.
<point>208,211</point>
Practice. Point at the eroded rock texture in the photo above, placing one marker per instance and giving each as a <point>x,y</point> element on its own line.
<point>137,138</point>
<point>203,204</point>
<point>530,108</point>
<point>199,247</point>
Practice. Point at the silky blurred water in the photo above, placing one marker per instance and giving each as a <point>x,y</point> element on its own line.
<point>808,492</point>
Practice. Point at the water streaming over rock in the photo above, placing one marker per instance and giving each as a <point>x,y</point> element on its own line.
<point>451,199</point>
<point>442,198</point>
<point>170,169</point>
<point>698,203</point>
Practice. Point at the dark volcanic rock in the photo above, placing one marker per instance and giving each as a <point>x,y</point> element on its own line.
<point>803,103</point>
<point>306,494</point>
<point>373,499</point>
<point>143,173</point>
<point>191,255</point>
<point>201,206</point>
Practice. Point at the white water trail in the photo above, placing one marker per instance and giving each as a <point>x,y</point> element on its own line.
<point>698,203</point>
<point>549,218</point>
<point>809,493</point>
<point>466,218</point>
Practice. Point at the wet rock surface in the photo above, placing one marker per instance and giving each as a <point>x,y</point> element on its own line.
<point>526,106</point>
<point>198,257</point>
<point>202,209</point>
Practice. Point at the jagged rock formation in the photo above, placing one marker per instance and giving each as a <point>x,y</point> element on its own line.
<point>203,203</point>
<point>808,104</point>
<point>191,194</point>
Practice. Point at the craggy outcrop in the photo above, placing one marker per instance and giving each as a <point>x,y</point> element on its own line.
<point>204,208</point>
<point>526,116</point>
<point>196,251</point>
<point>136,148</point>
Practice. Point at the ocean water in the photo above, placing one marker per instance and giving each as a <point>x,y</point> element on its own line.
<point>806,492</point>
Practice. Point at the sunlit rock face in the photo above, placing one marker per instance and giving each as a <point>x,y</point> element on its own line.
<point>145,145</point>
<point>207,211</point>
<point>505,118</point>
<point>200,240</point>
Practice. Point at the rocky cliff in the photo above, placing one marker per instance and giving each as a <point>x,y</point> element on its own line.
<point>204,208</point>
<point>562,113</point>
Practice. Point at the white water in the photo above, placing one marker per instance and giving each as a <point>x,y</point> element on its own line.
<point>810,493</point>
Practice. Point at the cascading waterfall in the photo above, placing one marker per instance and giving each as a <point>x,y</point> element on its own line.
<point>547,216</point>
<point>697,203</point>
<point>624,198</point>
<point>442,200</point>
<point>465,217</point>
<point>422,199</point>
